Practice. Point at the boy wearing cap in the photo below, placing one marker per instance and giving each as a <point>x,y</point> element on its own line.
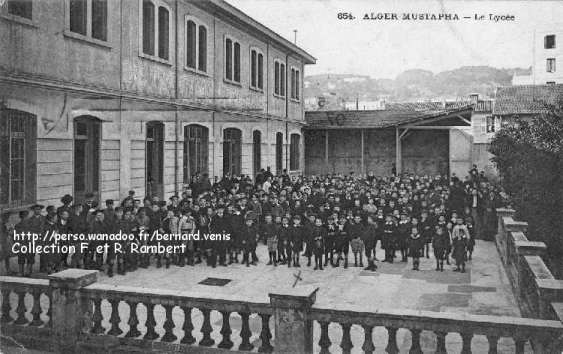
<point>416,247</point>
<point>297,236</point>
<point>269,232</point>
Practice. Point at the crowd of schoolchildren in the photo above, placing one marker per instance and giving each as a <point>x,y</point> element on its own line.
<point>332,219</point>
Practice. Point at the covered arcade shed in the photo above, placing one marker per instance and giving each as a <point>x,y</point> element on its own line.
<point>429,138</point>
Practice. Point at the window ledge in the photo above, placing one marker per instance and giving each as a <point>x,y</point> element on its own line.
<point>279,96</point>
<point>155,59</point>
<point>89,40</point>
<point>196,71</point>
<point>231,82</point>
<point>295,100</point>
<point>20,20</point>
<point>256,89</point>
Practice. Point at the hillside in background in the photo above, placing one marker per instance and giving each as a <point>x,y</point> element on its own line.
<point>411,85</point>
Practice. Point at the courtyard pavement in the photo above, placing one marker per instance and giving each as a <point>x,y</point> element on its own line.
<point>484,289</point>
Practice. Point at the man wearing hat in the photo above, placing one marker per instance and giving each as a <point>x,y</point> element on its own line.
<point>109,212</point>
<point>67,201</point>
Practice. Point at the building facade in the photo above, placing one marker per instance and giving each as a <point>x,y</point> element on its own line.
<point>547,57</point>
<point>105,96</point>
<point>524,102</point>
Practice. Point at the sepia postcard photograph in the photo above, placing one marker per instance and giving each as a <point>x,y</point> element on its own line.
<point>281,176</point>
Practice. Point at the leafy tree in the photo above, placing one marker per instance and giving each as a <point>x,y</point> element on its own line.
<point>529,157</point>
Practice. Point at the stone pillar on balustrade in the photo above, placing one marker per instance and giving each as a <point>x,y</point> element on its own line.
<point>294,332</point>
<point>69,310</point>
<point>501,235</point>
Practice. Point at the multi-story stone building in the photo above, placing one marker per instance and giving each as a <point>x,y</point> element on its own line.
<point>106,96</point>
<point>547,55</point>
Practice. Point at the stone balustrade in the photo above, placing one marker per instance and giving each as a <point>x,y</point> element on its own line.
<point>544,335</point>
<point>72,313</point>
<point>535,287</point>
<point>26,311</point>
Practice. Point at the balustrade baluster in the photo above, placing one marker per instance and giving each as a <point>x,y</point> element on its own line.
<point>466,339</point>
<point>97,316</point>
<point>415,342</point>
<point>493,343</point>
<point>20,310</point>
<point>169,325</point>
<point>226,342</point>
<point>133,320</point>
<point>265,335</point>
<point>36,309</point>
<point>245,332</point>
<point>324,340</point>
<point>441,342</point>
<point>346,343</point>
<point>368,346</point>
<point>6,306</point>
<point>206,329</point>
<point>150,323</point>
<point>188,326</point>
<point>114,318</point>
<point>50,309</point>
<point>520,345</point>
<point>392,340</point>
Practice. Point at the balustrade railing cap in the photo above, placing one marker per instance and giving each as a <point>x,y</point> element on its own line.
<point>551,284</point>
<point>74,278</point>
<point>538,245</point>
<point>304,294</point>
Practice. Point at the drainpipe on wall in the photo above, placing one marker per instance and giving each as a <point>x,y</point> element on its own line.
<point>286,116</point>
<point>176,167</point>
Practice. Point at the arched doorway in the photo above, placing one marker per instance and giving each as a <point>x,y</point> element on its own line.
<point>279,153</point>
<point>87,135</point>
<point>232,148</point>
<point>154,162</point>
<point>256,151</point>
<point>196,150</point>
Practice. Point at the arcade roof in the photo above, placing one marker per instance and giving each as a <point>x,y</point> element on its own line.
<point>394,116</point>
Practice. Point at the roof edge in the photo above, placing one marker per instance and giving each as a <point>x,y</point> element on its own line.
<point>235,12</point>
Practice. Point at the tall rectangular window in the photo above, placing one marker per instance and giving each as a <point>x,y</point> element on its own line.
<point>148,27</point>
<point>295,82</point>
<point>191,48</point>
<point>253,68</point>
<point>21,8</point>
<point>260,71</point>
<point>236,60</point>
<point>18,158</point>
<point>99,19</point>
<point>202,49</point>
<point>297,85</point>
<point>89,18</point>
<point>491,128</point>
<point>277,78</point>
<point>282,80</point>
<point>550,65</point>
<point>232,60</point>
<point>256,69</point>
<point>79,16</point>
<point>163,33</point>
<point>229,59</point>
<point>549,41</point>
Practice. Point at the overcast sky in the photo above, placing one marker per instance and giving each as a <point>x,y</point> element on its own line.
<point>383,49</point>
